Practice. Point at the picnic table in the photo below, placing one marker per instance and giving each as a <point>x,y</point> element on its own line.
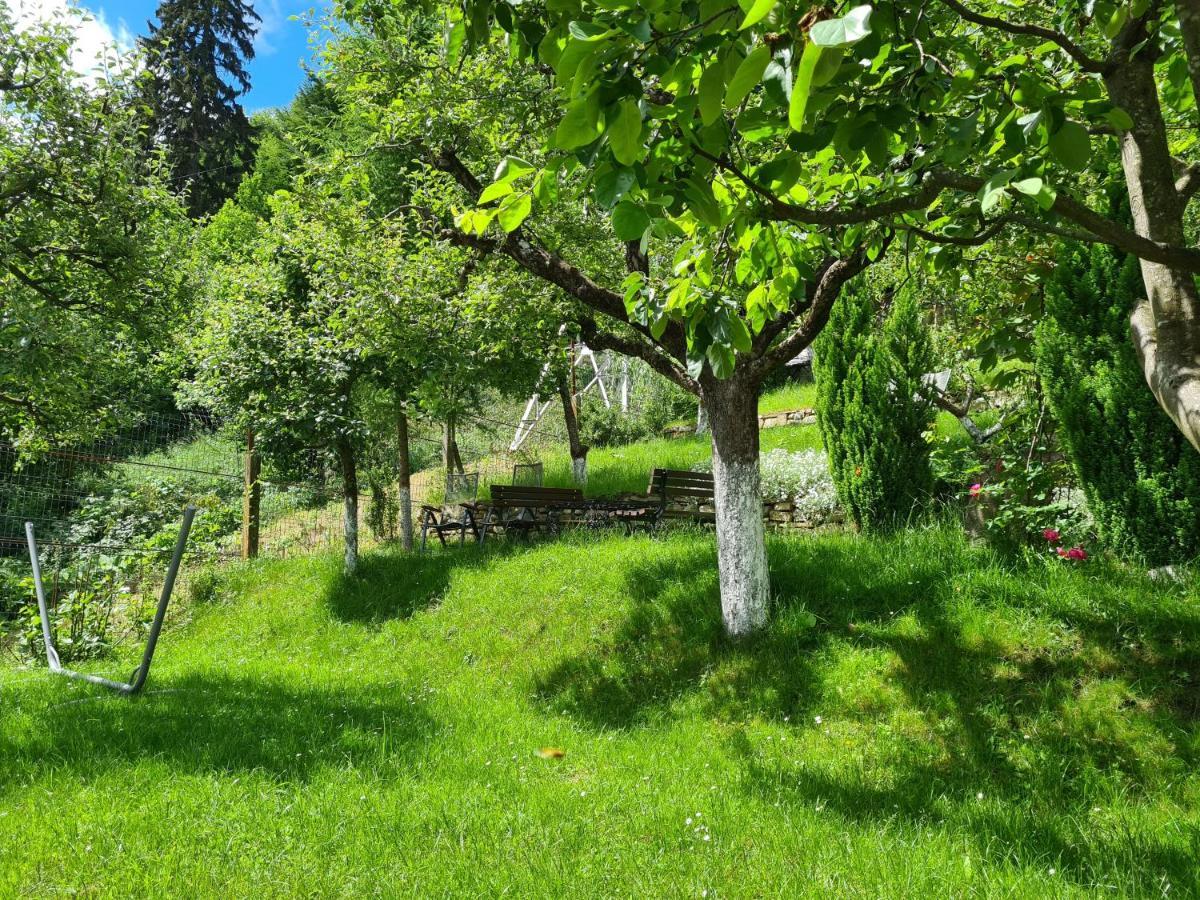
<point>525,509</point>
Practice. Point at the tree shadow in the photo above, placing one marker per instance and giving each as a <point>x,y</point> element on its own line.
<point>200,724</point>
<point>673,644</point>
<point>392,584</point>
<point>1111,691</point>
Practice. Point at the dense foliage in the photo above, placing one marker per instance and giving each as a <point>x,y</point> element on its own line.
<point>91,240</point>
<point>1141,477</point>
<point>873,405</point>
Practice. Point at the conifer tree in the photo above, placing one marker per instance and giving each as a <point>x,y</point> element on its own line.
<point>196,56</point>
<point>1140,475</point>
<point>872,407</point>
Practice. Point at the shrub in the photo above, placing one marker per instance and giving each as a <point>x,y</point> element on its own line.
<point>872,408</point>
<point>1140,476</point>
<point>801,476</point>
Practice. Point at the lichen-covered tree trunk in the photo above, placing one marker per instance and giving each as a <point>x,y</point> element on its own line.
<point>579,450</point>
<point>732,406</point>
<point>404,479</point>
<point>1165,325</point>
<point>345,452</point>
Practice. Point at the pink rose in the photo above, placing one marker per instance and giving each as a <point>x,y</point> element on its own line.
<point>1052,535</point>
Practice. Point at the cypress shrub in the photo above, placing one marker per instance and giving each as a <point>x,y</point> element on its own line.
<point>872,408</point>
<point>1140,476</point>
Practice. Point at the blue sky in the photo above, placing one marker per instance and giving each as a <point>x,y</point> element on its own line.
<point>281,46</point>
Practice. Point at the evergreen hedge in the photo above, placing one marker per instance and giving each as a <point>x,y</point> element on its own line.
<point>1140,476</point>
<point>871,409</point>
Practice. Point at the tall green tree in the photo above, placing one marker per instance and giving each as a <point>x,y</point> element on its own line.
<point>786,141</point>
<point>1141,477</point>
<point>196,55</point>
<point>89,238</point>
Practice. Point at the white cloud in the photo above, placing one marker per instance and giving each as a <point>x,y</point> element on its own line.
<point>273,19</point>
<point>96,41</point>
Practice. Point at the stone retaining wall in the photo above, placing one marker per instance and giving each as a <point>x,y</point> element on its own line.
<point>780,515</point>
<point>804,416</point>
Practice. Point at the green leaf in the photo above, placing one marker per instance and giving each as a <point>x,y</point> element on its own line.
<point>613,185</point>
<point>844,32</point>
<point>994,190</point>
<point>757,13</point>
<point>712,88</point>
<point>589,31</point>
<point>721,359</point>
<point>512,167</point>
<point>1037,189</point>
<point>579,125</point>
<point>747,75</point>
<point>1119,119</point>
<point>1072,146</point>
<point>629,221</point>
<point>803,86</point>
<point>514,210</point>
<point>739,334</point>
<point>495,191</point>
<point>625,133</point>
<point>828,64</point>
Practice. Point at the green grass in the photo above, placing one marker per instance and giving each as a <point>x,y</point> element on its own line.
<point>950,725</point>
<point>618,470</point>
<point>787,397</point>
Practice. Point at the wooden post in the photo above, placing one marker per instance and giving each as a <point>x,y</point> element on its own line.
<point>251,499</point>
<point>404,475</point>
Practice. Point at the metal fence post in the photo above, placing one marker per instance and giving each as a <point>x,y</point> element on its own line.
<point>251,500</point>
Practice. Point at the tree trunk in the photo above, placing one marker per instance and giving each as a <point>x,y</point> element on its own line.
<point>1166,325</point>
<point>345,452</point>
<point>732,406</point>
<point>701,418</point>
<point>451,460</point>
<point>578,450</point>
<point>404,477</point>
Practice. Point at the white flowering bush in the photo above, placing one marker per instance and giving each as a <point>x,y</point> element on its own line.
<point>801,476</point>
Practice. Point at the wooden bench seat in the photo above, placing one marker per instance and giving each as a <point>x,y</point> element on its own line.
<point>682,494</point>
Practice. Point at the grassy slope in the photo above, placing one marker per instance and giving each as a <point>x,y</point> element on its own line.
<point>951,725</point>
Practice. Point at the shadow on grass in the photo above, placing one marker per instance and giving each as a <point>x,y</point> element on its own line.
<point>392,584</point>
<point>201,724</point>
<point>1096,701</point>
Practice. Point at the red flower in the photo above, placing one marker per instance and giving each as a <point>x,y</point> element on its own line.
<point>976,490</point>
<point>1075,553</point>
<point>1052,535</point>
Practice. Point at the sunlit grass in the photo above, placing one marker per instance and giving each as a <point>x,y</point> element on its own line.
<point>921,719</point>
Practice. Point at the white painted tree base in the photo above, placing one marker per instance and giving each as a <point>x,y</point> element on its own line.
<point>579,470</point>
<point>741,546</point>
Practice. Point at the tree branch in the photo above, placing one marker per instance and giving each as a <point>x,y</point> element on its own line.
<point>836,274</point>
<point>599,339</point>
<point>1077,53</point>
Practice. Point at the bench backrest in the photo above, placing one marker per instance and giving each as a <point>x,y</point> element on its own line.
<point>531,495</point>
<point>671,484</point>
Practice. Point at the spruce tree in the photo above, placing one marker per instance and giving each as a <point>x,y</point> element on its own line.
<point>872,407</point>
<point>196,56</point>
<point>1140,475</point>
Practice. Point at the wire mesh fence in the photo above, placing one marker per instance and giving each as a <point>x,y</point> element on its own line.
<point>106,515</point>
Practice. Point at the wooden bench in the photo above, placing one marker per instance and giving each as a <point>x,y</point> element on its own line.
<point>682,494</point>
<point>528,508</point>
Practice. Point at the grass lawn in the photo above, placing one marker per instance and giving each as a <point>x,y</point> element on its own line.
<point>787,397</point>
<point>949,724</point>
<point>615,470</point>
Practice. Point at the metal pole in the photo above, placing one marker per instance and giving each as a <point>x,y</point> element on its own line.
<point>51,653</point>
<point>138,678</point>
